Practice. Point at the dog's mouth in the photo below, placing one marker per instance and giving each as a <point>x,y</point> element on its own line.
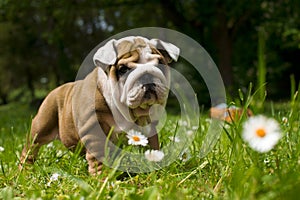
<point>141,116</point>
<point>142,99</point>
<point>140,110</point>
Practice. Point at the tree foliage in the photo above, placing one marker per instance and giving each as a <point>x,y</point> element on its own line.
<point>48,40</point>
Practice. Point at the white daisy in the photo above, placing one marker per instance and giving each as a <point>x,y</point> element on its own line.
<point>53,178</point>
<point>154,155</point>
<point>261,133</point>
<point>136,138</point>
<point>1,149</point>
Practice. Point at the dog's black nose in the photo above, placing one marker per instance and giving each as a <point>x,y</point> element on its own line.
<point>149,89</point>
<point>148,86</point>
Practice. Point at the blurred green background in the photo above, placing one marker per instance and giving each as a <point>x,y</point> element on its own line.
<point>42,43</point>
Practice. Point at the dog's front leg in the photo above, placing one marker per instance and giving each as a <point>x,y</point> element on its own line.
<point>95,166</point>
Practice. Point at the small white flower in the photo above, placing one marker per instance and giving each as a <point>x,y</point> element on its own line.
<point>183,123</point>
<point>185,155</point>
<point>261,133</point>
<point>1,149</point>
<point>59,153</point>
<point>285,120</point>
<point>50,145</point>
<point>154,155</point>
<point>266,161</point>
<point>190,132</point>
<point>136,138</point>
<point>53,178</point>
<point>174,139</point>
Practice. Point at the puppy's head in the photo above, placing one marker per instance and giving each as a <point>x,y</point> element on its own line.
<point>138,74</point>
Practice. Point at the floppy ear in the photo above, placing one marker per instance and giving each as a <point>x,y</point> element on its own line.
<point>172,50</point>
<point>106,55</point>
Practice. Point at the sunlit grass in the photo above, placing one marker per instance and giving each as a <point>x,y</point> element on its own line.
<point>232,170</point>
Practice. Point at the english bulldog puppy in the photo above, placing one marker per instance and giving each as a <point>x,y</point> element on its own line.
<point>130,77</point>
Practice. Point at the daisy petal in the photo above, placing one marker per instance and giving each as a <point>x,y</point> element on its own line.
<point>136,138</point>
<point>154,155</point>
<point>261,133</point>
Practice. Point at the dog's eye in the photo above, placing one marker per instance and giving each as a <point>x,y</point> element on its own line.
<point>160,61</point>
<point>123,69</point>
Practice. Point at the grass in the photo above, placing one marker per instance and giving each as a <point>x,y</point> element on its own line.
<point>230,171</point>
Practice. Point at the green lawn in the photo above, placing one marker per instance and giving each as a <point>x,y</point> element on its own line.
<point>232,170</point>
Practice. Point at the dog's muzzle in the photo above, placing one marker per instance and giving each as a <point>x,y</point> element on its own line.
<point>144,87</point>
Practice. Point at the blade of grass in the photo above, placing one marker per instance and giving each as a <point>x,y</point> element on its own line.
<point>261,73</point>
<point>193,172</point>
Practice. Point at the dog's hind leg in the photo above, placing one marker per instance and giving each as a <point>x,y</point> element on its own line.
<point>44,129</point>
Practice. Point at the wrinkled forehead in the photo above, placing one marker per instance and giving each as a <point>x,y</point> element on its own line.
<point>141,45</point>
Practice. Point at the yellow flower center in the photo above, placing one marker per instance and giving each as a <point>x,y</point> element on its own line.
<point>260,132</point>
<point>136,138</point>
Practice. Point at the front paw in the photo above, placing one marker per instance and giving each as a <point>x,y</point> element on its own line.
<point>94,166</point>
